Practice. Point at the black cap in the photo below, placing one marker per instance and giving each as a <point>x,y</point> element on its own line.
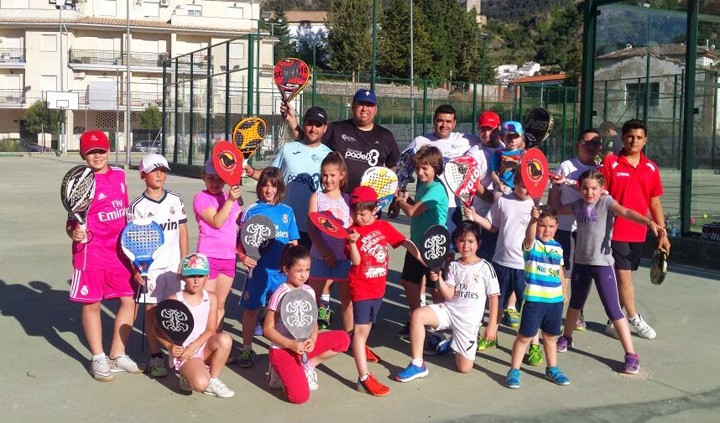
<point>316,114</point>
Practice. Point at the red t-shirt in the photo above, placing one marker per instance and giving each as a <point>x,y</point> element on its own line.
<point>632,187</point>
<point>367,280</point>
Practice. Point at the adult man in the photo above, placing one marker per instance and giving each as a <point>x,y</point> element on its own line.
<point>634,182</point>
<point>300,166</point>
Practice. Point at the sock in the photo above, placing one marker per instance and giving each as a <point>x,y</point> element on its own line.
<point>325,300</point>
<point>364,377</point>
<point>99,357</point>
<point>417,361</point>
<point>156,355</point>
<point>635,320</point>
<point>212,379</point>
<point>247,347</point>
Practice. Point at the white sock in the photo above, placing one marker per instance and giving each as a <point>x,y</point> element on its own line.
<point>635,319</point>
<point>325,299</point>
<point>99,357</point>
<point>364,377</point>
<point>417,362</point>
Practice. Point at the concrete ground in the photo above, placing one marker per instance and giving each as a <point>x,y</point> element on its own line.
<point>44,359</point>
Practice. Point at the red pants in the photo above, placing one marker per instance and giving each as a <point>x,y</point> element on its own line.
<point>288,366</point>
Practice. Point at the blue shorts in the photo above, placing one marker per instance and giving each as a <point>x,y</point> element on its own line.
<point>320,270</point>
<point>365,312</point>
<point>545,316</point>
<point>260,287</point>
<point>510,280</point>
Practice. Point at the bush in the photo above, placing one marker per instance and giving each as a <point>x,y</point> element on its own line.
<point>10,145</point>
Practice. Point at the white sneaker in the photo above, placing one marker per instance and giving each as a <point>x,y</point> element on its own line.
<point>101,369</point>
<point>217,388</point>
<point>156,367</point>
<point>184,384</point>
<point>124,364</point>
<point>274,381</point>
<point>610,330</point>
<point>643,329</point>
<point>312,379</point>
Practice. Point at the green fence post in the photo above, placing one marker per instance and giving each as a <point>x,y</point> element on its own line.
<point>425,88</point>
<point>564,129</point>
<point>227,92</point>
<point>208,105</point>
<point>605,102</point>
<point>314,76</point>
<point>163,140</point>
<point>474,108</point>
<point>251,77</point>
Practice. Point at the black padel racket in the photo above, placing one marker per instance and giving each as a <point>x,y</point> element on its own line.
<point>538,126</point>
<point>658,266</point>
<point>76,193</point>
<point>175,320</point>
<point>298,313</point>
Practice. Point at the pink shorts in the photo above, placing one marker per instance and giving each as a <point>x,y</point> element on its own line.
<point>93,286</point>
<point>177,363</point>
<point>224,266</point>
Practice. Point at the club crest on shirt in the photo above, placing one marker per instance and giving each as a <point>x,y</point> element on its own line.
<point>285,218</point>
<point>172,210</point>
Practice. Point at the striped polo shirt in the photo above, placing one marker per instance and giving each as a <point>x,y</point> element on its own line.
<point>543,261</point>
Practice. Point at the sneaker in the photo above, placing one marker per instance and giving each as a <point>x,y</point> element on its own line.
<point>513,379</point>
<point>246,358</point>
<point>311,376</point>
<point>124,364</point>
<point>632,363</point>
<point>431,344</point>
<point>610,330</point>
<point>101,369</point>
<point>370,355</point>
<point>372,386</point>
<point>554,375</point>
<point>217,388</point>
<point>324,317</point>
<point>443,347</point>
<point>156,367</point>
<point>184,384</point>
<point>534,356</point>
<point>563,343</point>
<point>581,325</point>
<point>405,330</point>
<point>484,344</point>
<point>643,329</point>
<point>412,372</point>
<point>423,301</point>
<point>258,331</point>
<point>511,318</point>
<point>274,381</point>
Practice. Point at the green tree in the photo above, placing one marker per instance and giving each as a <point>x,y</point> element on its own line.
<point>394,43</point>
<point>39,118</point>
<point>151,118</point>
<point>279,28</point>
<point>350,35</point>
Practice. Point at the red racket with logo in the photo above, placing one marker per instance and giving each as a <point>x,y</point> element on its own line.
<point>228,162</point>
<point>462,175</point>
<point>534,172</point>
<point>329,225</point>
<point>291,76</point>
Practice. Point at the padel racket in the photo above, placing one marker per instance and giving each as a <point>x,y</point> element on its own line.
<point>255,234</point>
<point>248,135</point>
<point>462,175</point>
<point>298,313</point>
<point>228,162</point>
<point>405,168</point>
<point>534,172</point>
<point>383,180</point>
<point>329,225</point>
<point>175,320</point>
<point>658,266</point>
<point>141,241</point>
<point>538,125</point>
<point>434,246</point>
<point>291,75</point>
<point>76,193</point>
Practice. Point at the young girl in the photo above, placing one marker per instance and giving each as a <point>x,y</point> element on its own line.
<point>595,214</point>
<point>286,370</point>
<point>329,263</point>
<point>267,275</point>
<point>216,213</point>
<point>200,359</point>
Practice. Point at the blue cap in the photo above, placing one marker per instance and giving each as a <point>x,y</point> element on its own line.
<point>365,96</point>
<point>512,127</point>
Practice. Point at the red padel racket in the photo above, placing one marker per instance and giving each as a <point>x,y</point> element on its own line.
<point>291,75</point>
<point>248,135</point>
<point>462,176</point>
<point>329,225</point>
<point>534,172</point>
<point>228,162</point>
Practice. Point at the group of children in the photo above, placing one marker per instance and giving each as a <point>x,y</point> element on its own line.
<point>528,263</point>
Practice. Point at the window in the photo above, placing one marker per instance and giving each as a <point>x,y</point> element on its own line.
<point>106,8</point>
<point>635,93</point>
<point>48,82</point>
<point>14,4</point>
<point>237,50</point>
<point>235,12</point>
<point>48,42</point>
<point>194,10</point>
<point>151,9</point>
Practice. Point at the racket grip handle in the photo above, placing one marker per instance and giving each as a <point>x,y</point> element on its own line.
<point>250,273</point>
<point>304,358</point>
<point>83,226</point>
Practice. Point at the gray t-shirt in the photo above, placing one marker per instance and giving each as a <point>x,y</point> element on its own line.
<point>594,231</point>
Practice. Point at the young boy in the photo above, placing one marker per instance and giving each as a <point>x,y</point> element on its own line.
<point>544,293</point>
<point>100,271</point>
<point>507,160</point>
<point>470,280</point>
<point>367,250</point>
<point>167,209</point>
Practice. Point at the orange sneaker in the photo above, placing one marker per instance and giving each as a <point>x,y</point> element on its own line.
<point>372,386</point>
<point>370,356</point>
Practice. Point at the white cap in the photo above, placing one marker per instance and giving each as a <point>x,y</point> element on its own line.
<point>151,162</point>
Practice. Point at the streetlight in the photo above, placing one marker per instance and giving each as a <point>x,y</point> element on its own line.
<point>60,5</point>
<point>412,74</point>
<point>374,47</point>
<point>127,84</point>
<point>483,37</point>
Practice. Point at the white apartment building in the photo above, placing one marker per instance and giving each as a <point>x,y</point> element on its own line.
<point>82,49</point>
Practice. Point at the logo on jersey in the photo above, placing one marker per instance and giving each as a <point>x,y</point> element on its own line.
<point>285,218</point>
<point>311,181</point>
<point>84,290</point>
<point>371,157</point>
<point>172,210</point>
<point>347,138</point>
<point>102,196</point>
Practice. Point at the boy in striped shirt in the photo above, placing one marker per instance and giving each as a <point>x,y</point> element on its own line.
<point>544,294</point>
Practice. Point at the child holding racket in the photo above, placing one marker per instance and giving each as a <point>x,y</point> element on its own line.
<point>506,161</point>
<point>267,274</point>
<point>100,272</point>
<point>216,213</point>
<point>468,283</point>
<point>595,214</point>
<point>201,358</point>
<point>286,370</point>
<point>367,248</point>
<point>329,263</point>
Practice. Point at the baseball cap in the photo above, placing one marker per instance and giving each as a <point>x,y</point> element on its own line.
<point>153,161</point>
<point>363,194</point>
<point>93,140</point>
<point>488,119</point>
<point>316,114</point>
<point>209,168</point>
<point>195,265</point>
<point>512,127</point>
<point>365,96</point>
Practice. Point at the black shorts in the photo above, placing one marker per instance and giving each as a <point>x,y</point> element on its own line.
<point>413,271</point>
<point>627,255</point>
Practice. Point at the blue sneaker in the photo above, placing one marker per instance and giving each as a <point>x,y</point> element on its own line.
<point>431,344</point>
<point>553,374</point>
<point>513,379</point>
<point>412,372</point>
<point>443,347</point>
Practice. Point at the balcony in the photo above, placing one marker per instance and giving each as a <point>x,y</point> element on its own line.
<point>12,58</point>
<point>104,60</point>
<point>11,98</point>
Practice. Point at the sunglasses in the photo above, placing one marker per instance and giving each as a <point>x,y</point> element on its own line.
<point>315,124</point>
<point>594,142</point>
